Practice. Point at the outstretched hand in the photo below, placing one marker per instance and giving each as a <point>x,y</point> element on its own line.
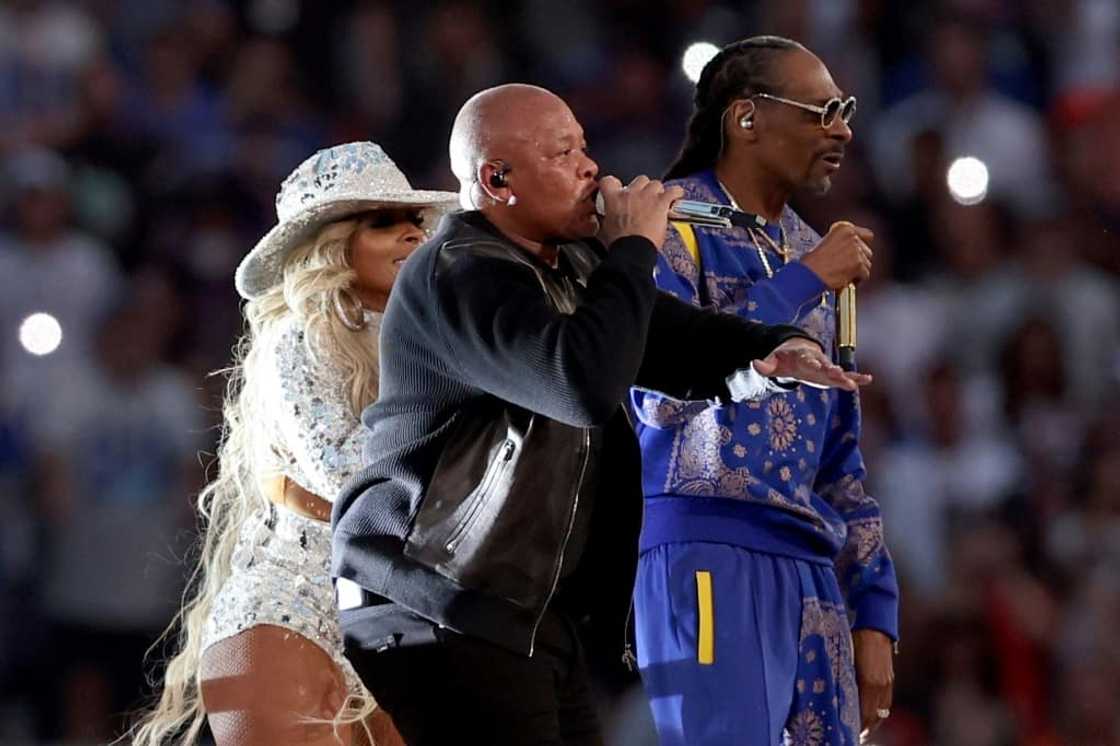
<point>804,360</point>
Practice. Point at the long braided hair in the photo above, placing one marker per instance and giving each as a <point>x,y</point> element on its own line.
<point>740,68</point>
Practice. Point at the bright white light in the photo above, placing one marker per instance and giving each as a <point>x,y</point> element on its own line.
<point>696,56</point>
<point>968,180</point>
<point>40,334</point>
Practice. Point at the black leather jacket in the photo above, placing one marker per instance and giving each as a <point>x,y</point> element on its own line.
<point>498,374</point>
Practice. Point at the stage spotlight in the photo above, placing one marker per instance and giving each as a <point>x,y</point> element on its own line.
<point>968,180</point>
<point>40,334</point>
<point>696,56</point>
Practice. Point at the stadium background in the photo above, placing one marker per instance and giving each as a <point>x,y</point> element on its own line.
<point>142,143</point>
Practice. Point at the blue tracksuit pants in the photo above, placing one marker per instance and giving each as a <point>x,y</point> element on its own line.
<point>743,647</point>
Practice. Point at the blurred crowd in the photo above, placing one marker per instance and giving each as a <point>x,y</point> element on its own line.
<point>141,146</point>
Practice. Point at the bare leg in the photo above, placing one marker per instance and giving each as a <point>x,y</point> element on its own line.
<point>260,686</point>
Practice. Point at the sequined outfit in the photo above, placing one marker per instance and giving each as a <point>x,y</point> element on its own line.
<point>280,571</point>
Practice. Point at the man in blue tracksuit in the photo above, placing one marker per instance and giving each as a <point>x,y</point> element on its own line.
<point>766,601</point>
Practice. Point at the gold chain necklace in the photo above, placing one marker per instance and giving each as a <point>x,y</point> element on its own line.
<point>780,249</point>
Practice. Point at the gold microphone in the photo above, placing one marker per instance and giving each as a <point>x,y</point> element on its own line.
<point>846,327</point>
<point>846,321</point>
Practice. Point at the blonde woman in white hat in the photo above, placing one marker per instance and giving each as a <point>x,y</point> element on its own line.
<point>260,653</point>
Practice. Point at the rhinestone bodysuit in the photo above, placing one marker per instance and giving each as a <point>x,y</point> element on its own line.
<point>280,570</point>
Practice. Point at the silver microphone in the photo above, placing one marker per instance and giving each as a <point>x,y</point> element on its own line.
<point>703,214</point>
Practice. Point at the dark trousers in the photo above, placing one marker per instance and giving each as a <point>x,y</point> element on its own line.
<point>462,690</point>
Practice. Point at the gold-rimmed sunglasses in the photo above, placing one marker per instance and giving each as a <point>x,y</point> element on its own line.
<point>835,107</point>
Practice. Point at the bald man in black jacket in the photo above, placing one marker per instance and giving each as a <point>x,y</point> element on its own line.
<point>482,529</point>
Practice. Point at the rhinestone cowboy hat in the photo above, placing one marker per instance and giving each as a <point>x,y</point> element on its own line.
<point>330,185</point>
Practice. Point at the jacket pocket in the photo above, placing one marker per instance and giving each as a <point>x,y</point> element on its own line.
<point>498,507</point>
<point>466,489</point>
<point>477,499</point>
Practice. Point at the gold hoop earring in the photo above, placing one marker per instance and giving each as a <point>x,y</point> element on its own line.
<point>349,310</point>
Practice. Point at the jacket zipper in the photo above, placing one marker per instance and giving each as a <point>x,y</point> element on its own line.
<point>628,658</point>
<point>460,532</point>
<point>564,543</point>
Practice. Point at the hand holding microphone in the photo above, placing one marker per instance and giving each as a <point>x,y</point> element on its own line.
<point>844,253</point>
<point>638,209</point>
<point>843,257</point>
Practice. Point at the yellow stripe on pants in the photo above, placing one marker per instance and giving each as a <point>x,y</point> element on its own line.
<point>705,637</point>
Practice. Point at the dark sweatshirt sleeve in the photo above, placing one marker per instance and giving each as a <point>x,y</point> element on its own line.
<point>690,351</point>
<point>506,339</point>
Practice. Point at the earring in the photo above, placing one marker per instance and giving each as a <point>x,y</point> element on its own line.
<point>512,200</point>
<point>349,310</point>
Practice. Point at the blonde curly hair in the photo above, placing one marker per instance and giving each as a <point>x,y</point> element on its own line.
<point>314,275</point>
